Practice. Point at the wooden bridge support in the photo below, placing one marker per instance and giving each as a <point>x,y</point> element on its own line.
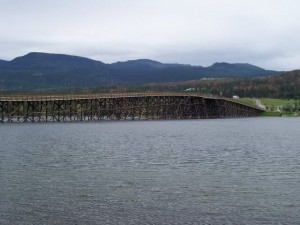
<point>122,107</point>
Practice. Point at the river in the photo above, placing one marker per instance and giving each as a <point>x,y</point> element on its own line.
<point>216,171</point>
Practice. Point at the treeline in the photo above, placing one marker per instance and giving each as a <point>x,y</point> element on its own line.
<point>285,85</point>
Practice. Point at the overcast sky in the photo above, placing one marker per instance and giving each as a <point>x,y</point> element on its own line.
<point>199,32</point>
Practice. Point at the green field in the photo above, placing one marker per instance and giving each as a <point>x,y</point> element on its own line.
<point>277,102</point>
<point>271,102</point>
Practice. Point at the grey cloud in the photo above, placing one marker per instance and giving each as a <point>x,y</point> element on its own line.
<point>201,32</point>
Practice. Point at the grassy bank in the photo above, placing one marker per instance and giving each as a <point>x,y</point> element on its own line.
<point>249,101</point>
<point>277,107</point>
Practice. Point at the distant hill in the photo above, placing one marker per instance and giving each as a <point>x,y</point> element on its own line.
<point>239,69</point>
<point>2,63</point>
<point>43,71</point>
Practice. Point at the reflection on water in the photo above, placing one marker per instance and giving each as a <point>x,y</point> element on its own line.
<point>233,171</point>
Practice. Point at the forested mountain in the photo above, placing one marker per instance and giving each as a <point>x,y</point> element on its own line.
<point>284,85</point>
<point>44,71</point>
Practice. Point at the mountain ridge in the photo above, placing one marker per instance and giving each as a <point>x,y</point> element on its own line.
<point>40,71</point>
<point>59,56</point>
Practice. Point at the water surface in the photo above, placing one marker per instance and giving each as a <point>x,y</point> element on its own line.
<point>231,171</point>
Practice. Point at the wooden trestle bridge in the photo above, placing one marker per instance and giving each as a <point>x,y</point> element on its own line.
<point>125,106</point>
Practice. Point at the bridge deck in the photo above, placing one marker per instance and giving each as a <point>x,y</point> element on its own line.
<point>93,96</point>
